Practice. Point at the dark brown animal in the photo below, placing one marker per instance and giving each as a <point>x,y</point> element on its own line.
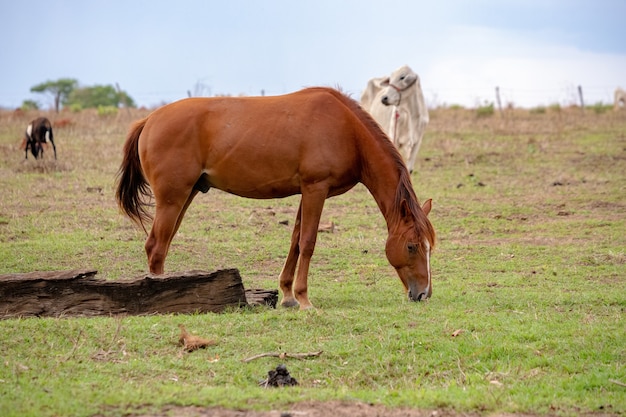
<point>316,142</point>
<point>38,132</point>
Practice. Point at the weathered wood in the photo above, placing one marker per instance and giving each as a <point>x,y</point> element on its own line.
<point>80,293</point>
<point>257,296</point>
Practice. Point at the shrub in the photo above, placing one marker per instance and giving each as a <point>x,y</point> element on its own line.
<point>29,105</point>
<point>538,110</point>
<point>556,108</point>
<point>107,110</point>
<point>600,107</point>
<point>486,110</point>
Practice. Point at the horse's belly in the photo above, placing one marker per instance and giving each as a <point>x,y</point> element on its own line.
<point>255,186</point>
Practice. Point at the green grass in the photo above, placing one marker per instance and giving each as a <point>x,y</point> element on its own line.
<point>527,313</point>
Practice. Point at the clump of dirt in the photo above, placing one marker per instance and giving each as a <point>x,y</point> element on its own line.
<point>278,377</point>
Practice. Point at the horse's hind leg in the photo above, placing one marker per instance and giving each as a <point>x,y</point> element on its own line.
<point>168,216</point>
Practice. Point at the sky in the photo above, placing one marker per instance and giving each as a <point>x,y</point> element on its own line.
<point>536,51</point>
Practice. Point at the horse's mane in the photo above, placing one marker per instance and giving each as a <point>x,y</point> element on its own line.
<point>405,189</point>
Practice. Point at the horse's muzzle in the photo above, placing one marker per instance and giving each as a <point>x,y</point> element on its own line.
<point>418,296</point>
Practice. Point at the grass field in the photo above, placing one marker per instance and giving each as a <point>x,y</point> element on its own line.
<point>528,308</point>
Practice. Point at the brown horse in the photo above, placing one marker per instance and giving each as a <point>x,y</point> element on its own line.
<point>316,142</point>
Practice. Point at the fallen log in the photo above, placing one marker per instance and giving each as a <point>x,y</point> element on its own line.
<point>80,293</point>
<point>258,296</point>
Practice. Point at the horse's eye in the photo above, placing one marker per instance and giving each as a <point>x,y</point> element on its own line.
<point>412,247</point>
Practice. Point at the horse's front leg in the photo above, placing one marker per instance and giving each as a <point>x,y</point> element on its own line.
<point>311,207</point>
<point>289,269</point>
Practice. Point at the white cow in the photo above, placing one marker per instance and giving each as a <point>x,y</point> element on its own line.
<point>397,103</point>
<point>620,97</point>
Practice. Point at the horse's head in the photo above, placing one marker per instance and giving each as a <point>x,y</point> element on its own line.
<point>408,251</point>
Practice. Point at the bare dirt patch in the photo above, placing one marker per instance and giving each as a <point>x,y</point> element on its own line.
<point>331,408</point>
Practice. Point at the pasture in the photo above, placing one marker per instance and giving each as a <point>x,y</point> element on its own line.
<point>529,273</point>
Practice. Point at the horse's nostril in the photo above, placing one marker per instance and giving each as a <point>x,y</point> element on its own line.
<point>419,297</point>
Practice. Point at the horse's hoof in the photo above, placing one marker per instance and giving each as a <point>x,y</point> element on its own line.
<point>310,307</point>
<point>289,303</point>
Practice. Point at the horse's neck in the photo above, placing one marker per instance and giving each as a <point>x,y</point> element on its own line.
<point>382,178</point>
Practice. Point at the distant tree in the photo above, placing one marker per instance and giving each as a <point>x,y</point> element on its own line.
<point>125,100</point>
<point>99,96</point>
<point>29,105</point>
<point>60,90</point>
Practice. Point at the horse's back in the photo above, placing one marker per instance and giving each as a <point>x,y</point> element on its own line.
<point>260,147</point>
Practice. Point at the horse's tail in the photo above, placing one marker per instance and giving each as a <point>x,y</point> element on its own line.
<point>132,187</point>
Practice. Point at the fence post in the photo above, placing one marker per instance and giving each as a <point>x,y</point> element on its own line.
<point>498,100</point>
<point>580,95</point>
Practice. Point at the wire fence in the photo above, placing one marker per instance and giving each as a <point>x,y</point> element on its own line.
<point>515,97</point>
<point>471,96</point>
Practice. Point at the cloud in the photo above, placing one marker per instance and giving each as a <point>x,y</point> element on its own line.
<point>529,70</point>
<point>537,52</point>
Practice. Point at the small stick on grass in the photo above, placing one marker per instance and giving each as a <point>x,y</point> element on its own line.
<point>77,344</point>
<point>283,355</point>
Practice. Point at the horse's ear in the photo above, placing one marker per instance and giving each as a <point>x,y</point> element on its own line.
<point>405,210</point>
<point>427,206</point>
<point>385,82</point>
